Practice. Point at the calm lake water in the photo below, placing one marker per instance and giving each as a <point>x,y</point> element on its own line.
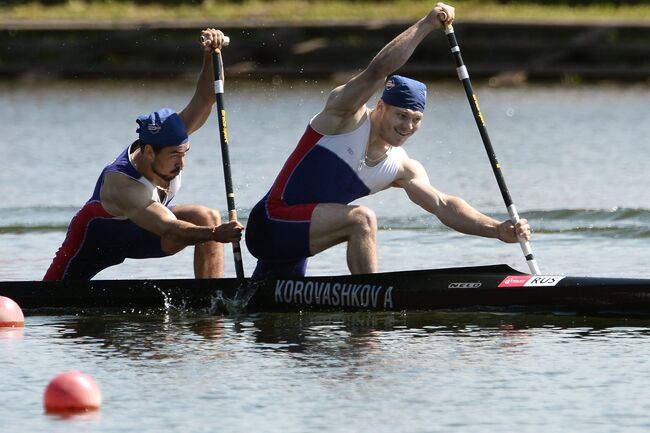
<point>575,159</point>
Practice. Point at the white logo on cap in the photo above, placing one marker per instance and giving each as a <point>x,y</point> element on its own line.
<point>390,84</point>
<point>154,128</point>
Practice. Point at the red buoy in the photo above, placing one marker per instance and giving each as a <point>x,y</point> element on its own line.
<point>11,316</point>
<point>72,391</point>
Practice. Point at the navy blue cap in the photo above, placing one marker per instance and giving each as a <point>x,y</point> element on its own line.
<point>162,128</point>
<point>405,93</point>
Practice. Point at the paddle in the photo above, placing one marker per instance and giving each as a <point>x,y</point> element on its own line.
<point>463,76</point>
<point>217,66</point>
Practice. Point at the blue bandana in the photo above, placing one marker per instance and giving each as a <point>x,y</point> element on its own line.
<point>162,128</point>
<point>405,93</point>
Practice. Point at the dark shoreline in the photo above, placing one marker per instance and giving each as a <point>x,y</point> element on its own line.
<point>512,52</point>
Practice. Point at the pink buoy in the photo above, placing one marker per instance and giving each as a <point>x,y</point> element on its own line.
<point>11,316</point>
<point>72,391</point>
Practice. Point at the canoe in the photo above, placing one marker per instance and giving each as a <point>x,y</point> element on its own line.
<point>496,288</point>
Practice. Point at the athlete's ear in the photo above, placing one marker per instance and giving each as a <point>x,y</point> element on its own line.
<point>148,152</point>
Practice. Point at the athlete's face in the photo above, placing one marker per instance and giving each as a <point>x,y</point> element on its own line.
<point>397,124</point>
<point>169,162</point>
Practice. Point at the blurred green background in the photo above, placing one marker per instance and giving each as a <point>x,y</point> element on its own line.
<point>637,11</point>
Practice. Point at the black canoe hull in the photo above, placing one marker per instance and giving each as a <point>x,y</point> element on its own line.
<point>491,288</point>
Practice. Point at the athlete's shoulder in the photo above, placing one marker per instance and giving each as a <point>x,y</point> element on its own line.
<point>336,122</point>
<point>410,168</point>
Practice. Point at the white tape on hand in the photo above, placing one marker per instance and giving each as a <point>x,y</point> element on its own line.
<point>226,40</point>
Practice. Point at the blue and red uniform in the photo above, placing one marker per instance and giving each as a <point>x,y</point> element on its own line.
<point>96,239</point>
<point>322,169</point>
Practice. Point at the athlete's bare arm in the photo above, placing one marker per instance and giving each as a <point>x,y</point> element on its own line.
<point>453,211</point>
<point>198,109</point>
<point>123,196</point>
<point>346,104</point>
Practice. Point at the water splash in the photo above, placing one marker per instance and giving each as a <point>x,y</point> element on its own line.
<point>168,305</point>
<point>237,305</point>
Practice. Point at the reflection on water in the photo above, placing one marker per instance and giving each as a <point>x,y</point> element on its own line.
<point>325,335</point>
<point>335,372</point>
<point>11,333</point>
<point>77,420</point>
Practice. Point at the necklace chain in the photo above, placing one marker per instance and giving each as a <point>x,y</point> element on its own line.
<point>368,161</point>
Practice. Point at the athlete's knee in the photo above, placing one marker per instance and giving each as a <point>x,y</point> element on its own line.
<point>199,215</point>
<point>364,219</point>
<point>212,217</point>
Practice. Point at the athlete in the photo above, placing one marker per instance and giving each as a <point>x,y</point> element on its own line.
<point>130,214</point>
<point>349,151</point>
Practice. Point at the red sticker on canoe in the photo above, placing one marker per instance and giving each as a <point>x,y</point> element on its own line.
<point>515,281</point>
